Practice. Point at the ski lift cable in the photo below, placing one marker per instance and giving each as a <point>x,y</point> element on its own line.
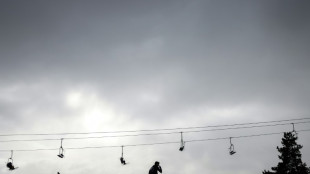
<point>150,134</point>
<point>159,143</point>
<point>151,130</point>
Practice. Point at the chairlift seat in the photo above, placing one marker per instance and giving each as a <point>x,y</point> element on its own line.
<point>60,155</point>
<point>232,152</point>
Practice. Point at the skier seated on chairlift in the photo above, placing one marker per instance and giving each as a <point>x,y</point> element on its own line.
<point>10,166</point>
<point>123,161</point>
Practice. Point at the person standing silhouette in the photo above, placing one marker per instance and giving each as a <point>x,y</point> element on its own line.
<point>156,167</point>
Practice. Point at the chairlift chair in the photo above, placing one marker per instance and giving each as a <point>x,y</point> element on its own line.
<point>231,148</point>
<point>61,153</point>
<point>123,161</point>
<point>61,150</point>
<point>10,164</point>
<point>122,158</point>
<point>294,132</point>
<point>181,148</point>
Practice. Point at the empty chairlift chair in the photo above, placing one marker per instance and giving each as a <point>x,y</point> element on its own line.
<point>231,148</point>
<point>61,150</point>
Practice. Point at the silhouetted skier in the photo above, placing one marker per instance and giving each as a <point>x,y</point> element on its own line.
<point>10,166</point>
<point>123,161</point>
<point>156,167</point>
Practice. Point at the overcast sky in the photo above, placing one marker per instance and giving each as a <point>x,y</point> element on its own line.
<point>89,66</point>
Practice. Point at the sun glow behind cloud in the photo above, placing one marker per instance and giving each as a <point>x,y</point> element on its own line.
<point>95,114</point>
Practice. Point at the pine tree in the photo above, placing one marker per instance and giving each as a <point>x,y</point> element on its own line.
<point>290,157</point>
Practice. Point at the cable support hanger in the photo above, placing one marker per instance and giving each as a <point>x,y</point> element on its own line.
<point>160,143</point>
<point>151,130</point>
<point>151,134</point>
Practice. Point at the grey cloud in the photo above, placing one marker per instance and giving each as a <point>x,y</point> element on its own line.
<point>161,64</point>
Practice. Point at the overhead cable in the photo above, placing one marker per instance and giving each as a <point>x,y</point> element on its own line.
<point>151,134</point>
<point>148,130</point>
<point>159,143</point>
